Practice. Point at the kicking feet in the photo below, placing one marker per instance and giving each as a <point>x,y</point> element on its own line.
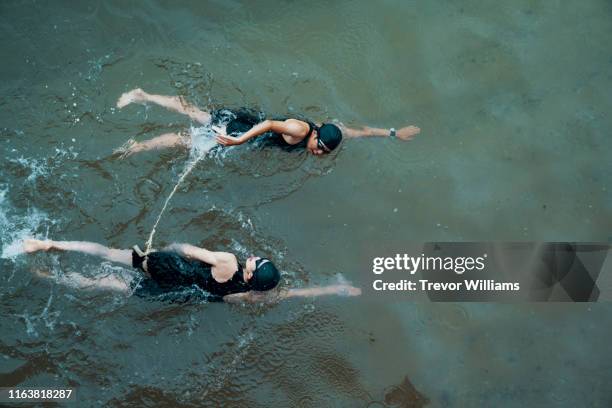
<point>43,274</point>
<point>407,133</point>
<point>127,149</point>
<point>34,245</point>
<point>135,95</point>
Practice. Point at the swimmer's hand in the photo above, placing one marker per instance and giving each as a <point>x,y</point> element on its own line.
<point>407,133</point>
<point>347,290</point>
<point>339,289</point>
<point>226,140</point>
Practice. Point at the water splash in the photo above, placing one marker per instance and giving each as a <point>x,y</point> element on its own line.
<point>187,170</point>
<point>202,141</point>
<point>44,166</point>
<point>49,318</point>
<point>223,371</point>
<point>15,228</point>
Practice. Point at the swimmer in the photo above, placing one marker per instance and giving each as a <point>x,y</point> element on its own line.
<point>181,266</point>
<point>238,127</point>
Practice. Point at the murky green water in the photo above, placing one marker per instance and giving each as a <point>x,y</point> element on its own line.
<point>513,104</point>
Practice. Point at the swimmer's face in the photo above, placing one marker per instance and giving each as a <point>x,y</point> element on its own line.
<point>250,267</point>
<point>313,145</point>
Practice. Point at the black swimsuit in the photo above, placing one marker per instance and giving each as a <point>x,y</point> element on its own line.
<point>242,120</point>
<point>170,272</point>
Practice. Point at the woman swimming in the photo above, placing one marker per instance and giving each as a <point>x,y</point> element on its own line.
<point>237,127</point>
<point>182,266</point>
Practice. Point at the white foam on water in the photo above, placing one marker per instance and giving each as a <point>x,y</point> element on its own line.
<point>341,280</point>
<point>49,317</point>
<point>203,139</point>
<point>40,167</point>
<point>246,223</point>
<point>13,249</point>
<point>46,316</point>
<point>3,217</point>
<point>36,167</point>
<point>222,372</point>
<point>14,228</point>
<point>191,325</point>
<point>240,249</point>
<point>30,330</point>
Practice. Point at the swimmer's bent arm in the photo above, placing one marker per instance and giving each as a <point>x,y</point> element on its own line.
<point>289,127</point>
<point>194,252</point>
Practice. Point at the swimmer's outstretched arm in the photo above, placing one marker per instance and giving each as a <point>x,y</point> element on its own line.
<point>290,127</point>
<point>340,289</point>
<point>261,297</point>
<point>173,103</point>
<point>251,297</point>
<point>405,133</point>
<point>123,256</point>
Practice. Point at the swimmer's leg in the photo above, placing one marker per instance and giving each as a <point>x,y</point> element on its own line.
<point>122,256</point>
<point>79,281</point>
<point>160,142</point>
<point>173,103</point>
<point>106,282</point>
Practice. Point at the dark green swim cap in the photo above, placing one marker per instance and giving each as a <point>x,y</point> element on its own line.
<point>265,276</point>
<point>330,135</point>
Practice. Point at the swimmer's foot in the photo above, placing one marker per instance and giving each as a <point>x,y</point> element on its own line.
<point>34,245</point>
<point>43,274</point>
<point>407,133</point>
<point>127,149</point>
<point>135,95</point>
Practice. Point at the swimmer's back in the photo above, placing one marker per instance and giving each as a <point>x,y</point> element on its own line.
<point>171,273</point>
<point>242,120</point>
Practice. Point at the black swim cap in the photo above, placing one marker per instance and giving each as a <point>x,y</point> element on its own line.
<point>330,135</point>
<point>265,276</point>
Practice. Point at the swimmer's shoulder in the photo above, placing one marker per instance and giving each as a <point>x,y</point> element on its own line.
<point>225,257</point>
<point>293,128</point>
<point>225,267</point>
